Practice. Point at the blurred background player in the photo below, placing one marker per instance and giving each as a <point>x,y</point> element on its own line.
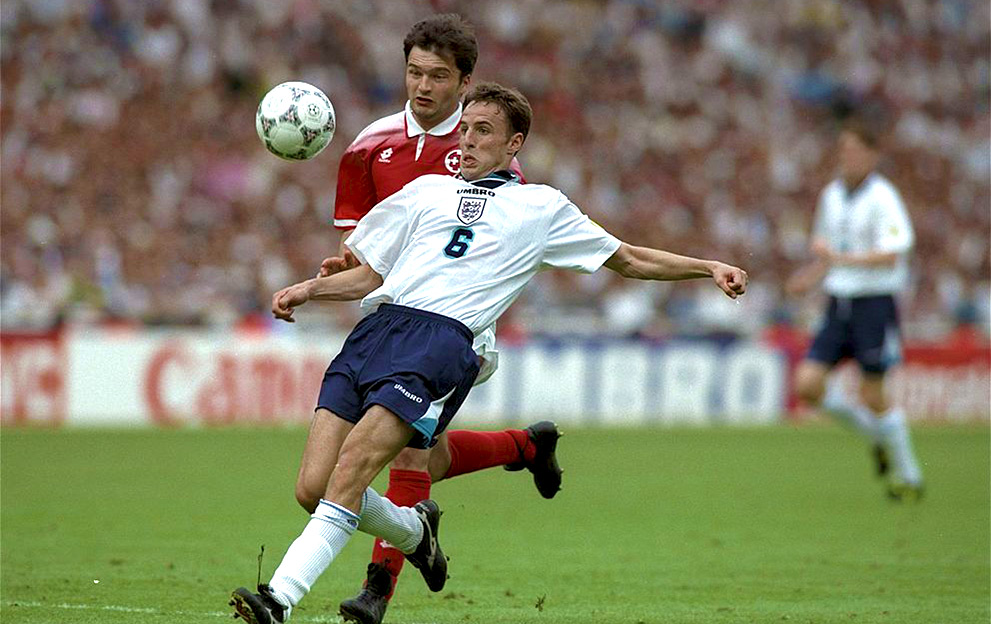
<point>861,239</point>
<point>440,57</point>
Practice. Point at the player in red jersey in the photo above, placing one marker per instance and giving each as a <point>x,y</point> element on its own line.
<point>440,57</point>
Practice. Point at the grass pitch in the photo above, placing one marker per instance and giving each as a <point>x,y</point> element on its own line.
<point>653,525</point>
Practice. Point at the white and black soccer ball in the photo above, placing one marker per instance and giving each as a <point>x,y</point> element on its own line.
<point>295,121</point>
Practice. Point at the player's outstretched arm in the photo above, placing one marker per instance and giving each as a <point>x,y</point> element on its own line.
<point>343,261</point>
<point>653,264</point>
<point>344,286</point>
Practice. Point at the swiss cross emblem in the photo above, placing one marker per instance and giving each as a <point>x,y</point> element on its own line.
<point>453,161</point>
<point>470,209</point>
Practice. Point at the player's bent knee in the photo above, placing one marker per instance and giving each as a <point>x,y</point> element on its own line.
<point>809,394</point>
<point>412,459</point>
<point>810,383</point>
<point>809,390</point>
<point>307,497</point>
<point>439,460</point>
<point>354,467</point>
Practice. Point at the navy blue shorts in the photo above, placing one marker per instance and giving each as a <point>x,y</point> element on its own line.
<point>418,365</point>
<point>864,328</point>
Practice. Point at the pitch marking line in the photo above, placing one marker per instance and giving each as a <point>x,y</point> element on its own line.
<point>149,611</point>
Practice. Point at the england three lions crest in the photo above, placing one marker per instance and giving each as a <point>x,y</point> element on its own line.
<point>470,209</point>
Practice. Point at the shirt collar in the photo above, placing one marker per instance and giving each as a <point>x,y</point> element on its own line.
<point>857,190</point>
<point>494,179</point>
<point>443,128</point>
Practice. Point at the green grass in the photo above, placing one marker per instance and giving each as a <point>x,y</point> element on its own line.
<point>653,525</point>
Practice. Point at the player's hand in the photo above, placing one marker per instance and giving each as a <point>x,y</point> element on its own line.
<point>732,280</point>
<point>284,301</point>
<point>336,264</point>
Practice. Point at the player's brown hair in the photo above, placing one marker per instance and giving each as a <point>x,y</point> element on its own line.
<point>511,101</point>
<point>445,34</point>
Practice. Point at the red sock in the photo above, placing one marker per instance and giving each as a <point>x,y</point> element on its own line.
<point>406,488</point>
<point>477,450</point>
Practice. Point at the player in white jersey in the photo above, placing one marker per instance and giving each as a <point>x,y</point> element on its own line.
<point>862,238</point>
<point>442,259</point>
<point>440,53</point>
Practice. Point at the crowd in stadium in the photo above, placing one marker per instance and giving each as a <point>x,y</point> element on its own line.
<point>134,188</point>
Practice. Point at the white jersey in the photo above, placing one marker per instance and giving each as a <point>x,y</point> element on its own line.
<point>870,219</point>
<point>467,249</point>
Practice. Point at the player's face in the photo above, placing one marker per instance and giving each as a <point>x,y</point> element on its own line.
<point>857,159</point>
<point>486,142</point>
<point>434,86</point>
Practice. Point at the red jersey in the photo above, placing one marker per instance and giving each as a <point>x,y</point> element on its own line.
<point>390,153</point>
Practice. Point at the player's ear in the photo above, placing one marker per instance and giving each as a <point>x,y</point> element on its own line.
<point>465,83</point>
<point>515,142</point>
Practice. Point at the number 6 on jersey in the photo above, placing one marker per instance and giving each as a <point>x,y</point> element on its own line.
<point>460,240</point>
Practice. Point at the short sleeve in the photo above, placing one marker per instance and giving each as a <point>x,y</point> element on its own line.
<point>355,188</point>
<point>575,242</point>
<point>383,233</point>
<point>894,229</point>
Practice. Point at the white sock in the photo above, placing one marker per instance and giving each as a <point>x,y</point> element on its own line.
<point>854,415</point>
<point>329,529</point>
<point>400,526</point>
<point>894,433</point>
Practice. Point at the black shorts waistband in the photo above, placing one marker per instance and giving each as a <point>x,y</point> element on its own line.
<point>392,308</point>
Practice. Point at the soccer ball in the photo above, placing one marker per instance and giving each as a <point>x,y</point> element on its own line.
<point>295,121</point>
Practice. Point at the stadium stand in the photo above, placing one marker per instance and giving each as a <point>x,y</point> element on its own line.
<point>135,191</point>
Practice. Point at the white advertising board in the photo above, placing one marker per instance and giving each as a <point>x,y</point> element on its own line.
<point>176,378</point>
<point>194,378</point>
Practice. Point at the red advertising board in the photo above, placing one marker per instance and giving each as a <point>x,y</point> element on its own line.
<point>944,382</point>
<point>34,374</point>
<point>228,387</point>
